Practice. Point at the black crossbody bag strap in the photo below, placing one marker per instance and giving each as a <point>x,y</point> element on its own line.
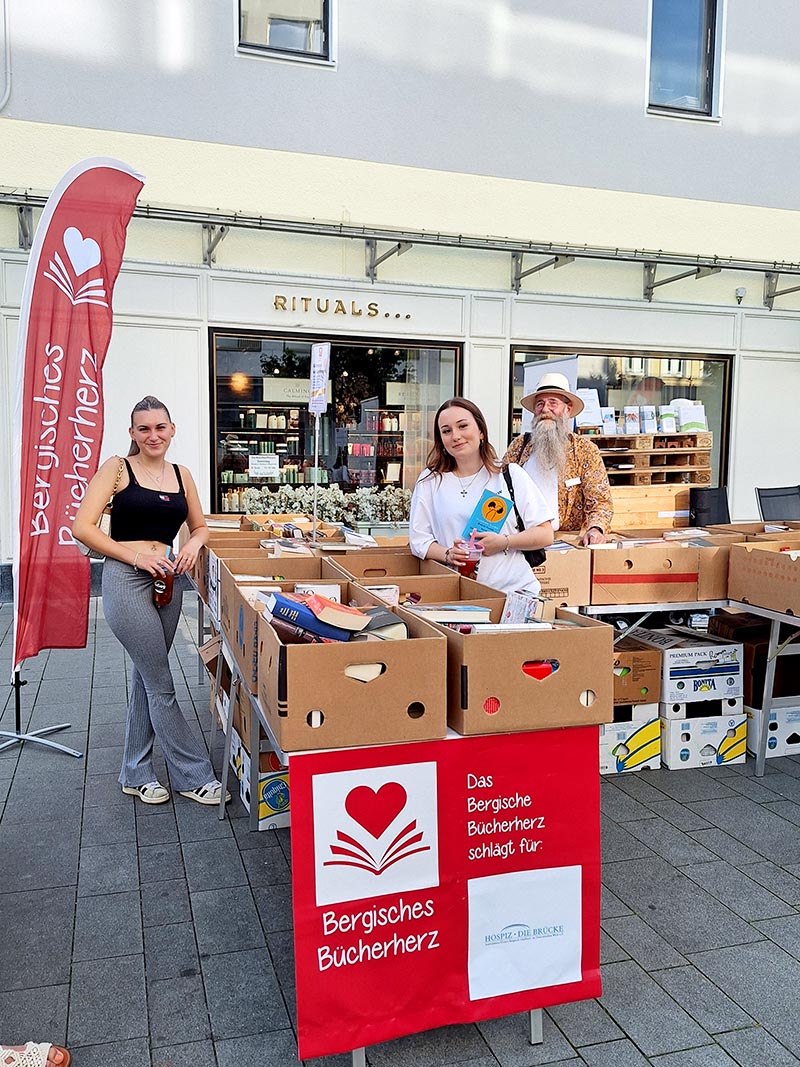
<point>534,556</point>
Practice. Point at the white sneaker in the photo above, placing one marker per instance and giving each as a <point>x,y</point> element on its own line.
<point>152,793</point>
<point>209,793</point>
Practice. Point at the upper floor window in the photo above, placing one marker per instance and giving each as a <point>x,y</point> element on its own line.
<point>296,29</point>
<point>683,45</point>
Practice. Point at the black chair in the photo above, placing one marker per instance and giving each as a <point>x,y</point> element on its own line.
<point>782,502</point>
<point>708,507</point>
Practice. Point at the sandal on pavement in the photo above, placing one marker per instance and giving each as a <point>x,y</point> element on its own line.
<point>152,793</point>
<point>206,794</point>
<point>34,1054</point>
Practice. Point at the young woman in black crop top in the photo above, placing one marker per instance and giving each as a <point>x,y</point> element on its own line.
<point>153,499</point>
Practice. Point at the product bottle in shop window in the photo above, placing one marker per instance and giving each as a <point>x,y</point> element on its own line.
<point>281,421</point>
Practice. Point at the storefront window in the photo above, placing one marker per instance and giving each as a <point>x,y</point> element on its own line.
<point>290,28</point>
<point>635,379</point>
<point>376,431</point>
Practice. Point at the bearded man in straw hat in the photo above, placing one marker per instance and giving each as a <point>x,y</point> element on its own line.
<point>567,468</point>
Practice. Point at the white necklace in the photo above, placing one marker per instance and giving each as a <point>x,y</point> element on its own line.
<point>155,480</point>
<point>464,489</point>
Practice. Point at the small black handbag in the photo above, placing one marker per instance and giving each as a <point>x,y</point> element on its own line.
<point>534,556</point>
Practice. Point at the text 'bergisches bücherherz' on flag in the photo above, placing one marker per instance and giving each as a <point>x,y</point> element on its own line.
<point>64,332</point>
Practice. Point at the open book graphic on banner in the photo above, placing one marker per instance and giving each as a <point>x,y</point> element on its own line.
<point>490,513</point>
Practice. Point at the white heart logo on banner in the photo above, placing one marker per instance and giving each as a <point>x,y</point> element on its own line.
<point>83,252</point>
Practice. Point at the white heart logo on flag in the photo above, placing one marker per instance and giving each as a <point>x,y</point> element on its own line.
<point>83,252</point>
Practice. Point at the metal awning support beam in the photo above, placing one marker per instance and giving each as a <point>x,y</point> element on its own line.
<point>374,260</point>
<point>771,290</point>
<point>517,273</point>
<point>212,236</point>
<point>650,283</point>
<point>25,226</point>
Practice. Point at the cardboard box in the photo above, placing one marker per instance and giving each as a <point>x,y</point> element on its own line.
<point>565,577</point>
<point>311,703</point>
<point>627,713</point>
<point>783,732</point>
<point>490,691</point>
<point>637,673</point>
<point>701,709</point>
<point>647,574</point>
<point>380,566</point>
<point>272,786</point>
<point>753,632</point>
<point>711,742</point>
<point>694,667</point>
<point>751,529</point>
<point>632,746</point>
<point>762,575</point>
<point>445,588</point>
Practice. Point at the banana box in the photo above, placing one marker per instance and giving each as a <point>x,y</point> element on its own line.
<point>783,731</point>
<point>701,709</point>
<point>629,746</point>
<point>710,742</point>
<point>273,789</point>
<point>693,667</point>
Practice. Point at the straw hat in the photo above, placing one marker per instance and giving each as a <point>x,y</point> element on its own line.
<point>553,384</point>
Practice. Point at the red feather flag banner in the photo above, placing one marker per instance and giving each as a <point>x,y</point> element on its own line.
<point>64,331</point>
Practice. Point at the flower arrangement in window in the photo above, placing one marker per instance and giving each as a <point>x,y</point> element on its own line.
<point>391,504</point>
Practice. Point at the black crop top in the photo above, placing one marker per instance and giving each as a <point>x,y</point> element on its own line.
<point>140,514</point>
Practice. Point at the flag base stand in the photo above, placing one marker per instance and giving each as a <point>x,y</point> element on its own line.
<point>17,737</point>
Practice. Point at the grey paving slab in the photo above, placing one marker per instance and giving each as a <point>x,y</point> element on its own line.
<point>679,815</point>
<point>646,1013</point>
<point>214,864</point>
<point>60,800</point>
<point>507,1039</point>
<point>710,1056</point>
<point>784,932</point>
<point>620,806</point>
<point>106,734</point>
<point>725,847</point>
<point>618,844</point>
<point>171,951</point>
<point>755,1048</point>
<point>104,711</point>
<point>108,826</point>
<point>42,1010</point>
<point>274,904</point>
<point>642,943</point>
<point>763,831</point>
<point>611,905</point>
<point>36,927</point>
<point>247,838</point>
<point>781,882</point>
<point>445,1045</point>
<point>266,866</point>
<point>107,1001</point>
<point>786,809</point>
<point>103,791</point>
<point>787,786</point>
<point>638,786</point>
<point>177,1010</point>
<point>701,999</point>
<point>108,869</point>
<point>165,902</point>
<point>226,920</point>
<point>192,1054</point>
<point>610,951</point>
<point>49,851</point>
<point>104,760</point>
<point>754,788</point>
<point>133,1053</point>
<point>785,764</point>
<point>157,829</point>
<point>107,925</point>
<point>683,913</point>
<point>199,823</point>
<point>668,841</point>
<point>262,1010</point>
<point>277,1049</point>
<point>614,1054</point>
<point>161,863</point>
<point>738,892</point>
<point>688,786</point>
<point>585,1022</point>
<point>763,980</point>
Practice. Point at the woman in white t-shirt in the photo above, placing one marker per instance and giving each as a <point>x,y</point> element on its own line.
<point>460,466</point>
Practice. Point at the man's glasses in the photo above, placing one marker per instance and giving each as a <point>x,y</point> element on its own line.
<point>554,402</point>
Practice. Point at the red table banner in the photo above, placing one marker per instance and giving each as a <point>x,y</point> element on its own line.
<point>64,332</point>
<point>443,882</point>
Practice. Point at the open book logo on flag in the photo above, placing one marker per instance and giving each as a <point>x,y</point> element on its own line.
<point>375,831</point>
<point>376,811</point>
<point>82,254</point>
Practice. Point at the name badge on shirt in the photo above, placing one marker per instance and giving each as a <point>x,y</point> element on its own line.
<point>572,481</point>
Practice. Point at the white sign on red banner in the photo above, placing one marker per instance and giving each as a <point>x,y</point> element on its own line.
<point>65,328</point>
<point>443,882</point>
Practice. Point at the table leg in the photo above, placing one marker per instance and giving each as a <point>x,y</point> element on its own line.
<point>766,700</point>
<point>226,752</point>
<point>535,1021</point>
<point>201,638</point>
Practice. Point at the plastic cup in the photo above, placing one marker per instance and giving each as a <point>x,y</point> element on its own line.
<point>475,551</point>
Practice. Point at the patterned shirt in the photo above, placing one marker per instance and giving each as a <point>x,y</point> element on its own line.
<point>585,504</point>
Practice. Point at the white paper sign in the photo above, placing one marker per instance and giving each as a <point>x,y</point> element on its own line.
<point>591,414</point>
<point>263,466</point>
<point>320,369</point>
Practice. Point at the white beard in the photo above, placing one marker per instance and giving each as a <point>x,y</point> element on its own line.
<point>550,439</point>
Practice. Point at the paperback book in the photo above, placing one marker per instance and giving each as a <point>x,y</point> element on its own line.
<point>293,609</point>
<point>452,612</point>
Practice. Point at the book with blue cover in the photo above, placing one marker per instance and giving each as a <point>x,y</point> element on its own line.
<point>490,513</point>
<point>293,609</point>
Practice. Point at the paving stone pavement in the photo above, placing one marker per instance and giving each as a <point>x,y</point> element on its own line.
<point>161,937</point>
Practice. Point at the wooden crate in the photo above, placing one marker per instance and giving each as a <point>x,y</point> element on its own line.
<point>651,507</point>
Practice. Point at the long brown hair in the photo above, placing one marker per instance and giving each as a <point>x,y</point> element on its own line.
<point>439,460</point>
<point>147,403</point>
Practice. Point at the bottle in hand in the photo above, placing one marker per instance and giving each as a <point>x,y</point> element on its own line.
<point>162,589</point>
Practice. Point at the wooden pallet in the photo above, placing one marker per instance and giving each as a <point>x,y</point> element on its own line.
<point>652,506</point>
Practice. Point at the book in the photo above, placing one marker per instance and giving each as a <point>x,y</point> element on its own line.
<point>389,593</point>
<point>341,615</point>
<point>521,606</point>
<point>489,514</point>
<point>364,672</point>
<point>452,612</point>
<point>291,634</point>
<point>293,609</point>
<point>384,624</point>
<point>332,592</point>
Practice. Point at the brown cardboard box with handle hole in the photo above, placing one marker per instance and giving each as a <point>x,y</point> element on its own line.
<point>764,575</point>
<point>644,574</point>
<point>637,673</point>
<point>379,566</point>
<point>310,701</point>
<point>565,576</point>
